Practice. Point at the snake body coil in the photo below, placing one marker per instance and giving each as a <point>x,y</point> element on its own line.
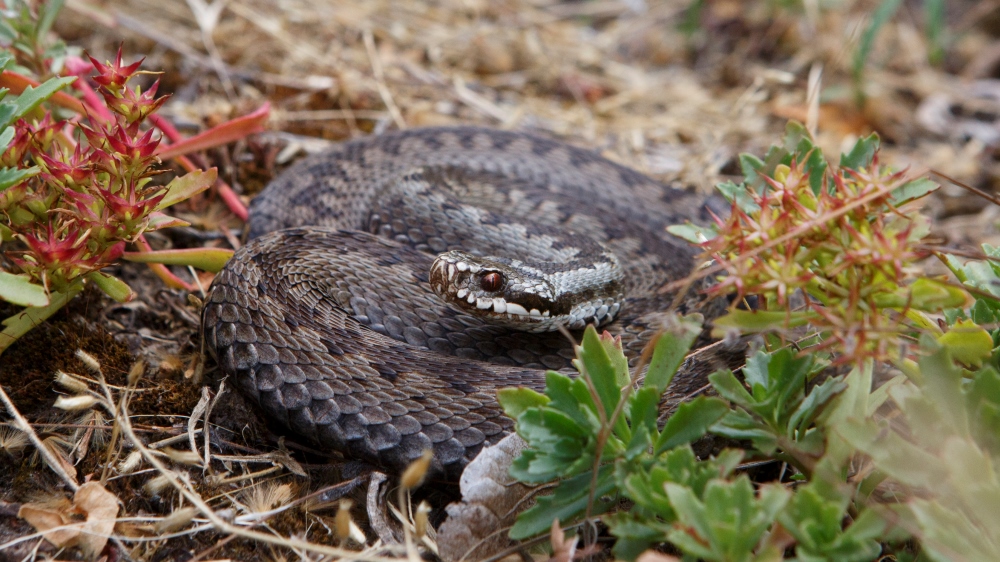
<point>328,318</point>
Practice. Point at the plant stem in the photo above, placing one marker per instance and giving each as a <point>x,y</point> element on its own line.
<point>22,322</point>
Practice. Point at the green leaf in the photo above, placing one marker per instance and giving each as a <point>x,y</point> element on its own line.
<point>690,422</point>
<point>815,165</point>
<point>729,387</point>
<point>809,408</point>
<point>693,233</point>
<point>691,512</point>
<point>855,400</point>
<point>863,152</point>
<point>559,388</point>
<point>751,166</point>
<point>31,98</point>
<point>158,220</point>
<point>729,522</point>
<point>776,156</point>
<point>925,294</point>
<point>635,534</point>
<point>183,187</point>
<point>112,286</point>
<point>47,13</point>
<point>558,447</point>
<point>561,435</point>
<point>516,400</point>
<point>738,424</point>
<point>642,482</point>
<point>604,374</point>
<point>797,139</point>
<point>936,30</point>
<point>984,312</point>
<point>968,343</point>
<point>905,462</point>
<point>638,443</point>
<point>642,408</point>
<point>799,143</point>
<point>942,386</point>
<point>786,375</point>
<point>949,534</point>
<point>669,350</point>
<point>883,13</point>
<point>551,425</point>
<point>208,259</point>
<point>568,501</point>
<point>6,59</point>
<point>20,290</point>
<point>913,190</point>
<point>981,275</point>
<point>13,176</point>
<point>740,194</point>
<point>754,321</point>
<point>7,111</point>
<point>982,400</point>
<point>5,137</point>
<point>816,522</point>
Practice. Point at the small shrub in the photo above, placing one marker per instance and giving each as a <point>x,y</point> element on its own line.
<point>853,485</point>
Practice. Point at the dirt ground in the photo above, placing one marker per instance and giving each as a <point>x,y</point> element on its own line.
<point>666,87</point>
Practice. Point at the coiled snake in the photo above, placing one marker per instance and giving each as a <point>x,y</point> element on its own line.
<point>328,318</point>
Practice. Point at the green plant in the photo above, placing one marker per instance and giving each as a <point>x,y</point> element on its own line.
<point>846,236</point>
<point>25,28</point>
<point>935,31</point>
<point>851,486</point>
<point>875,17</point>
<point>74,195</point>
<point>77,175</point>
<point>580,427</point>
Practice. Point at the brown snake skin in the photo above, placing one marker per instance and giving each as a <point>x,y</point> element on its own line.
<point>335,332</point>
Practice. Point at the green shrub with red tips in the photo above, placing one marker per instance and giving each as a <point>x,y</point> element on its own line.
<point>77,175</point>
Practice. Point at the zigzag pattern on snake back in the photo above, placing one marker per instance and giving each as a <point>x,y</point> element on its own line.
<point>326,317</point>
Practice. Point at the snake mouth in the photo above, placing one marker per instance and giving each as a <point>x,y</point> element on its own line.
<point>498,306</point>
<point>483,291</point>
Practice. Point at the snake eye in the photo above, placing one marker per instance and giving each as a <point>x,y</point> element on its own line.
<point>491,281</point>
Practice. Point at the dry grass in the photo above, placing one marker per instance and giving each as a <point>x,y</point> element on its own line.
<point>199,476</point>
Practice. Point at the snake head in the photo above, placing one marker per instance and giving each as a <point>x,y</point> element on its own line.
<point>502,289</point>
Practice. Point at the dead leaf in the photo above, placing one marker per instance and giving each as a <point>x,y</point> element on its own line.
<point>59,527</point>
<point>491,500</point>
<point>101,509</point>
<point>562,550</point>
<point>58,447</point>
<point>50,522</point>
<point>378,513</point>
<point>842,119</point>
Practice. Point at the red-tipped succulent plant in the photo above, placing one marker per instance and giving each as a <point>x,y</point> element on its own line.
<point>836,236</point>
<point>75,192</point>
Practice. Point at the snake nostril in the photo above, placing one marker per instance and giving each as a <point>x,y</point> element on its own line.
<point>491,281</point>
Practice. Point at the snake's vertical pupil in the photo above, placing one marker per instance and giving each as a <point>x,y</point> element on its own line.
<point>491,281</point>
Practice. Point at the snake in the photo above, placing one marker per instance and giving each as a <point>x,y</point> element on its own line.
<point>393,283</point>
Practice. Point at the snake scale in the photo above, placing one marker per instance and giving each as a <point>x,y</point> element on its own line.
<point>327,320</point>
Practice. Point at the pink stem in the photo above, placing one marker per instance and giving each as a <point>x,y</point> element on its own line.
<point>162,271</point>
<point>229,197</point>
<point>234,129</point>
<point>167,127</point>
